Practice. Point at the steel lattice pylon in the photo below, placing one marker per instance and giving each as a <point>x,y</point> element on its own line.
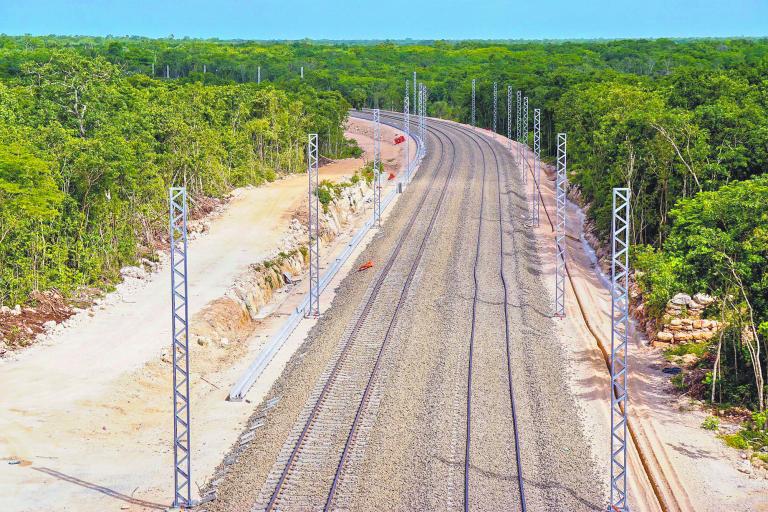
<point>376,170</point>
<point>560,184</point>
<point>473,103</point>
<point>495,105</point>
<point>535,200</point>
<point>415,102</point>
<point>314,227</point>
<point>509,117</point>
<point>423,114</point>
<point>524,134</point>
<point>407,130</point>
<point>182,478</point>
<point>519,107</point>
<point>619,345</point>
<point>407,94</point>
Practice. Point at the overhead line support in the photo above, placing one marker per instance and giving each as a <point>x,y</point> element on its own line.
<point>407,130</point>
<point>535,199</point>
<point>182,473</point>
<point>474,119</point>
<point>519,107</point>
<point>525,136</point>
<point>509,117</point>
<point>560,185</point>
<point>619,345</point>
<point>314,227</point>
<point>495,105</point>
<point>376,169</point>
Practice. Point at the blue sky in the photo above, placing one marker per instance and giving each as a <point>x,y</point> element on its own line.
<point>393,19</point>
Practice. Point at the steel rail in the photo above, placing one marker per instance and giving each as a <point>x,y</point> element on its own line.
<point>360,320</point>
<point>467,444</point>
<point>387,336</point>
<point>516,431</point>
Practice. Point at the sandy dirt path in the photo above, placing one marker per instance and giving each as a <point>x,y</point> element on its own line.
<point>88,413</point>
<point>697,470</point>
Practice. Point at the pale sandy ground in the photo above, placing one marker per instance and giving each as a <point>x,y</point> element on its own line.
<point>88,413</point>
<point>699,471</point>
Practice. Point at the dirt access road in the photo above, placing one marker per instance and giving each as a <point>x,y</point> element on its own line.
<point>88,413</point>
<point>456,273</point>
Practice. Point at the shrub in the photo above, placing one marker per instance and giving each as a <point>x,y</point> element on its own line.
<point>736,441</point>
<point>710,423</point>
<point>657,276</point>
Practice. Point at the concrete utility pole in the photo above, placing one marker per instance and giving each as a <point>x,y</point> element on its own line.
<point>473,103</point>
<point>376,170</point>
<point>314,227</point>
<point>619,346</point>
<point>536,167</point>
<point>495,105</point>
<point>560,242</point>
<point>519,106</point>
<point>167,71</point>
<point>407,131</point>
<point>509,117</point>
<point>258,75</point>
<point>182,468</point>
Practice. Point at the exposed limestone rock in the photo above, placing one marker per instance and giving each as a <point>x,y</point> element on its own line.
<point>682,321</point>
<point>231,317</point>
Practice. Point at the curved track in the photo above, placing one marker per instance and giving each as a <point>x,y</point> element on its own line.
<point>432,379</point>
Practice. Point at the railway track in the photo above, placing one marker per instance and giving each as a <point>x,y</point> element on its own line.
<point>338,390</point>
<point>507,345</point>
<point>662,490</point>
<point>473,323</point>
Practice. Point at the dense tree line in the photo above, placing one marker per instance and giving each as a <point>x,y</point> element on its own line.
<point>684,123</point>
<point>87,153</point>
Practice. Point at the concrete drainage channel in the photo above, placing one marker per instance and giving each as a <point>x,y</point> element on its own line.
<point>274,345</point>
